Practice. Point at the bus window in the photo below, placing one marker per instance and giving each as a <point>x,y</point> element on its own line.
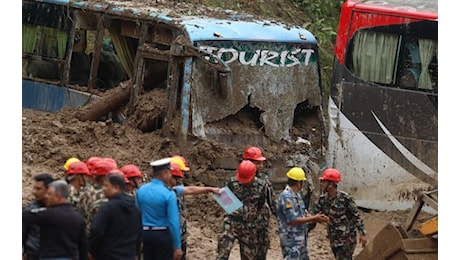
<point>44,41</point>
<point>374,56</point>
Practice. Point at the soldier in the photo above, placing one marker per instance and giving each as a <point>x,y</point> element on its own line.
<point>92,198</point>
<point>134,176</point>
<point>293,217</point>
<point>75,178</point>
<point>342,214</point>
<point>254,154</point>
<point>244,223</point>
<point>178,165</point>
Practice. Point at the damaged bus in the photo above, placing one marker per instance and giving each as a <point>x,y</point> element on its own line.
<point>383,104</point>
<point>215,66</point>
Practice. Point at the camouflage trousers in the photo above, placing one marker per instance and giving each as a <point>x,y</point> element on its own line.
<point>344,252</point>
<point>248,239</point>
<point>262,244</point>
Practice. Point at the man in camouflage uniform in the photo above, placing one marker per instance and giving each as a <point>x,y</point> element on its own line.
<point>75,173</point>
<point>178,166</point>
<point>134,176</point>
<point>293,217</point>
<point>92,198</point>
<point>344,218</point>
<point>255,155</point>
<point>244,223</point>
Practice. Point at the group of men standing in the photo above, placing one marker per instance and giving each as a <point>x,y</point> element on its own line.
<point>249,224</point>
<point>101,212</point>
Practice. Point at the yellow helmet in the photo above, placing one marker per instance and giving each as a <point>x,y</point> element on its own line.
<point>69,161</point>
<point>296,173</point>
<point>180,161</point>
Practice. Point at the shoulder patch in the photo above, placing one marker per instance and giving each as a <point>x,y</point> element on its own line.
<point>288,205</point>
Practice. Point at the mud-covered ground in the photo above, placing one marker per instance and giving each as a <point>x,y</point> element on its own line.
<point>49,139</point>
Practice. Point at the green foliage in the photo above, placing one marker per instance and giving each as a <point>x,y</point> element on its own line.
<point>324,17</point>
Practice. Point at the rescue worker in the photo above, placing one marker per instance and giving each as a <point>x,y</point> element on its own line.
<point>75,178</point>
<point>255,155</point>
<point>90,162</point>
<point>243,223</point>
<point>293,216</point>
<point>69,161</point>
<point>31,232</point>
<point>134,176</point>
<point>177,168</point>
<point>160,215</point>
<point>62,229</point>
<point>343,215</point>
<point>116,227</point>
<point>92,198</point>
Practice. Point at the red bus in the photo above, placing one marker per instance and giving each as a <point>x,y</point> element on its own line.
<point>383,103</point>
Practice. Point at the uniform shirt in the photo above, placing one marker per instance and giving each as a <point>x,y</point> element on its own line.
<point>253,197</point>
<point>270,199</point>
<point>344,216</point>
<point>90,201</point>
<point>62,231</point>
<point>290,206</point>
<point>158,205</point>
<point>74,198</point>
<point>179,189</point>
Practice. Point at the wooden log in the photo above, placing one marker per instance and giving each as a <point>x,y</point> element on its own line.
<point>112,100</point>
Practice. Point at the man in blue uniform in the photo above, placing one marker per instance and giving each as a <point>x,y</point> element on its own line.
<point>293,217</point>
<point>160,215</point>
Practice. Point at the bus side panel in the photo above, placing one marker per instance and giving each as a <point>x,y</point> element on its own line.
<point>50,98</point>
<point>383,139</point>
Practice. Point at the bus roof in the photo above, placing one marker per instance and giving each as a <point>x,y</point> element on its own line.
<point>215,29</point>
<point>200,23</point>
<point>423,9</point>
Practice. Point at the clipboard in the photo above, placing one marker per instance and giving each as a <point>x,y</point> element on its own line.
<point>227,200</point>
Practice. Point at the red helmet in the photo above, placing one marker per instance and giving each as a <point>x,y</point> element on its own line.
<point>77,167</point>
<point>331,174</point>
<point>253,153</point>
<point>102,168</point>
<point>91,161</point>
<point>131,170</point>
<point>184,165</point>
<point>111,161</point>
<point>246,171</point>
<point>176,171</point>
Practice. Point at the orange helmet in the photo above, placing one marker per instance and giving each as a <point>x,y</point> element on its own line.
<point>246,171</point>
<point>253,153</point>
<point>131,170</point>
<point>181,162</point>
<point>91,161</point>
<point>331,174</point>
<point>176,171</point>
<point>77,167</point>
<point>102,168</point>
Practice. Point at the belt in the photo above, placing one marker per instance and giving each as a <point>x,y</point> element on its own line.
<point>154,228</point>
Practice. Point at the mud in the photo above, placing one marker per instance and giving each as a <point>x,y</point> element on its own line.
<point>49,139</point>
